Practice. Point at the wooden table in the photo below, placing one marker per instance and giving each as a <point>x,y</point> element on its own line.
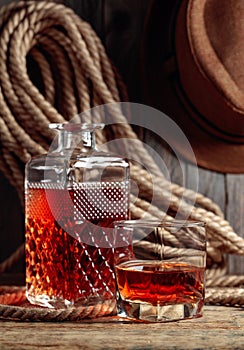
<point>219,328</point>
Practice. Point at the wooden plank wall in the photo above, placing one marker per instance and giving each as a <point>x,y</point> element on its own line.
<point>120,26</point>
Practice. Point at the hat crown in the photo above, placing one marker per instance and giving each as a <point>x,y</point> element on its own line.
<point>224,21</point>
<point>208,73</point>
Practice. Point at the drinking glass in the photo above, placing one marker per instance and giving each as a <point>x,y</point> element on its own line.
<point>160,269</point>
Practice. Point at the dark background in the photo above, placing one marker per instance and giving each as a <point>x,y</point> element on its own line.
<point>120,25</point>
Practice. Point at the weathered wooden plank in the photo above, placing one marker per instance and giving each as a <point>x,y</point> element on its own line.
<point>11,219</point>
<point>123,28</point>
<point>209,332</point>
<point>91,11</point>
<point>235,215</point>
<point>209,183</point>
<point>5,2</point>
<point>173,170</point>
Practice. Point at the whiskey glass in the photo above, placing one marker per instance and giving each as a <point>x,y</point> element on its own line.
<point>160,269</point>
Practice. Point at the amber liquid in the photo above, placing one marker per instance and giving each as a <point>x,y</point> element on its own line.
<point>160,283</point>
<point>59,265</point>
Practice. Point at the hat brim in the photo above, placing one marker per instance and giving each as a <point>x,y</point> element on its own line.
<point>162,90</point>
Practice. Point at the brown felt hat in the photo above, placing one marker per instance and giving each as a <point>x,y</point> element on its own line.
<point>193,69</point>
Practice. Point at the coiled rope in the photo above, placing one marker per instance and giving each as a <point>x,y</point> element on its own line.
<point>77,75</point>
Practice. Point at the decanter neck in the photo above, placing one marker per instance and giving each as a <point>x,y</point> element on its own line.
<point>76,138</point>
<point>83,141</point>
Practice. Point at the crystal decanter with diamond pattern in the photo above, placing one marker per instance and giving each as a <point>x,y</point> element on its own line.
<point>73,195</point>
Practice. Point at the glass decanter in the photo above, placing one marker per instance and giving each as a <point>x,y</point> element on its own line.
<point>73,195</point>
